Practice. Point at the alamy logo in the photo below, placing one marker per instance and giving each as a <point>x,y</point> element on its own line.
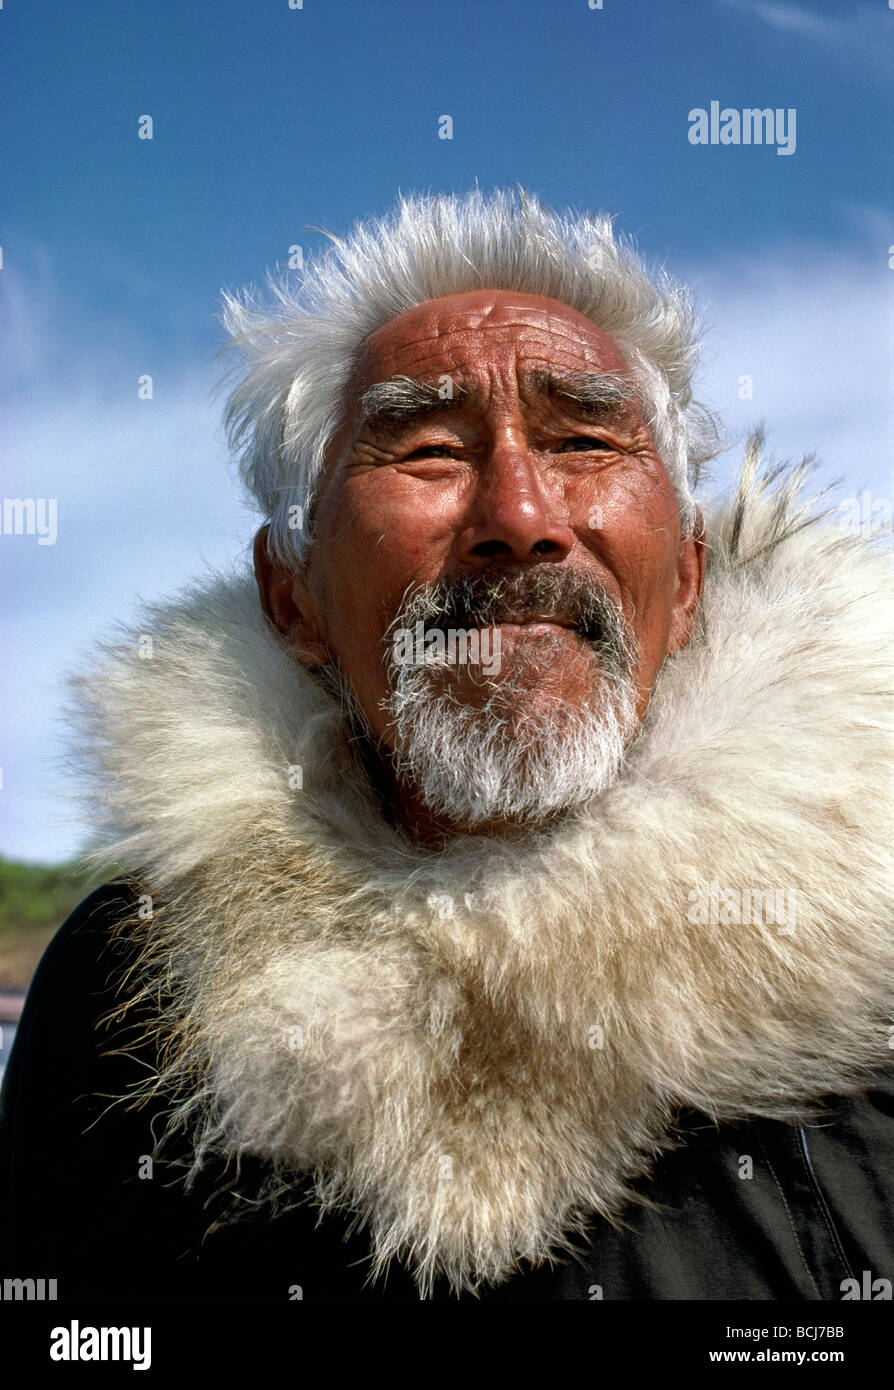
<point>870,1291</point>
<point>30,516</point>
<point>76,1343</point>
<point>29,1290</point>
<point>752,125</point>
<point>455,647</point>
<point>866,514</point>
<point>725,907</point>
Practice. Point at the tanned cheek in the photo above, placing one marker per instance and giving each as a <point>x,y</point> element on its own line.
<point>644,565</point>
<point>417,535</point>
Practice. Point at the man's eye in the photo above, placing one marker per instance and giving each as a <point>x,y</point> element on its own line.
<point>431,451</point>
<point>583,444</point>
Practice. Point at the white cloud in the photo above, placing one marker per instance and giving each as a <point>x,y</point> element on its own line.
<point>813,331</point>
<point>144,497</point>
<point>791,18</point>
<point>855,31</point>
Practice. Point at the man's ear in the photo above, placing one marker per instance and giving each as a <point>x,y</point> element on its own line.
<point>691,560</point>
<point>288,603</point>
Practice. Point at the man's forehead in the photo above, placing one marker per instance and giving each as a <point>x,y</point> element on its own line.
<point>484,326</point>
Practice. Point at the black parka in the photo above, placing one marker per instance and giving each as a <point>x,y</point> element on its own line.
<point>755,1210</point>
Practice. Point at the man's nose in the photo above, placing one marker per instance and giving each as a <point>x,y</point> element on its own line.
<point>512,513</point>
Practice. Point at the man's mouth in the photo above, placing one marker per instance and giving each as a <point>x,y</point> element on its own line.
<point>589,632</point>
<point>538,604</point>
<point>529,620</point>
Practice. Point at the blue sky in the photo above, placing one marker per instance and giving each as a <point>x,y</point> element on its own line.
<point>269,121</point>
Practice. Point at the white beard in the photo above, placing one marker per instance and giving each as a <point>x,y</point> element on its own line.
<point>482,749</point>
<point>501,762</point>
<point>409,1036</point>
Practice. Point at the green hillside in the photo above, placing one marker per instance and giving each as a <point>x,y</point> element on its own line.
<point>35,899</point>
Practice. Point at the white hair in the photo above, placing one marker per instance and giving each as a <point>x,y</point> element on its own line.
<point>299,351</point>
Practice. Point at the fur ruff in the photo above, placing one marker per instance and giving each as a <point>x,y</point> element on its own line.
<point>477,1051</point>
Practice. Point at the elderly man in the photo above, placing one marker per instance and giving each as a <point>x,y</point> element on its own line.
<point>507,894</point>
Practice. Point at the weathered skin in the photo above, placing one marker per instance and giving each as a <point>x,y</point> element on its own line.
<point>509,477</point>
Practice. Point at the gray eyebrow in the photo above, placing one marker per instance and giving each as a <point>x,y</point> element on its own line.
<point>595,394</point>
<point>401,400</point>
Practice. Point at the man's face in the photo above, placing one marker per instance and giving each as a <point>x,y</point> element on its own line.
<point>516,466</point>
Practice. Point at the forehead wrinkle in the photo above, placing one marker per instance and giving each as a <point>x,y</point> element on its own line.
<point>523,362</point>
<point>550,323</point>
